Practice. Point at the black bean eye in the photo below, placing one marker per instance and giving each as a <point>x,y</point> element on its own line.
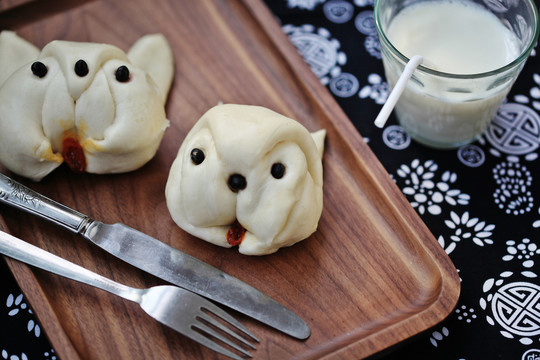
<point>278,170</point>
<point>237,182</point>
<point>81,68</point>
<point>39,69</point>
<point>197,156</point>
<point>122,74</point>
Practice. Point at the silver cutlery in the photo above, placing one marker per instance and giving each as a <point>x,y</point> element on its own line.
<point>170,264</point>
<point>181,310</point>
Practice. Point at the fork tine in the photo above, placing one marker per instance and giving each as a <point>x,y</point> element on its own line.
<point>212,321</point>
<point>217,311</point>
<point>203,340</point>
<point>212,332</point>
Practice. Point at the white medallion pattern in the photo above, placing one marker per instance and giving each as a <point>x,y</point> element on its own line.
<point>515,129</point>
<point>344,85</point>
<point>532,354</point>
<point>514,307</point>
<point>395,137</point>
<point>318,49</point>
<point>365,24</point>
<point>471,155</point>
<point>338,11</point>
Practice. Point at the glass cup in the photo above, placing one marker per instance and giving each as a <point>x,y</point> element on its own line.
<point>445,110</point>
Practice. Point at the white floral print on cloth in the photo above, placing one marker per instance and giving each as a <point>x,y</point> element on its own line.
<point>6,355</point>
<point>487,227</point>
<point>16,305</point>
<point>513,194</point>
<point>427,192</point>
<point>17,317</point>
<point>304,4</point>
<point>376,89</point>
<point>466,228</point>
<point>534,94</point>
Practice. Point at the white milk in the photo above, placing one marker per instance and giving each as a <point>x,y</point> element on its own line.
<point>459,38</point>
<point>453,36</point>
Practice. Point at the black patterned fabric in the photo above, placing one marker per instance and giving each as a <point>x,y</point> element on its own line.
<point>21,337</point>
<point>481,201</point>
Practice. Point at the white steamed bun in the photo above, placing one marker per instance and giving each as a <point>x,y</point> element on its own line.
<point>247,176</point>
<point>91,105</point>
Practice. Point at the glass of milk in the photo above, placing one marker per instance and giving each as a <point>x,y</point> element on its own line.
<point>473,51</point>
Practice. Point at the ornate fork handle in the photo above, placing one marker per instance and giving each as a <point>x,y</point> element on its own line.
<point>32,255</point>
<point>19,196</point>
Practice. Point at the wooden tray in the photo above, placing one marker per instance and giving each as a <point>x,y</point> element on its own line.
<point>370,277</point>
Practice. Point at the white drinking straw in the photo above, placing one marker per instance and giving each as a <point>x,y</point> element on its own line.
<point>398,89</point>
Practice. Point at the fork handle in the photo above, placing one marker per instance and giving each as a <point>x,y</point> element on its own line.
<point>19,196</point>
<point>32,255</point>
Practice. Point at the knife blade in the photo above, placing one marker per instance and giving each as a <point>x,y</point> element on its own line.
<point>172,265</point>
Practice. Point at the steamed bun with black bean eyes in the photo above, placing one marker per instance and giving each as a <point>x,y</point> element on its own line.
<point>247,176</point>
<point>90,105</point>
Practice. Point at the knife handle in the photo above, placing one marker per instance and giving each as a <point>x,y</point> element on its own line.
<point>19,196</point>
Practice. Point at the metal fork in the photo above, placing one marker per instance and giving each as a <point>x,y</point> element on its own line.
<point>183,311</point>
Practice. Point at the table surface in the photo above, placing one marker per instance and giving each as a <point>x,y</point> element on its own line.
<point>480,201</point>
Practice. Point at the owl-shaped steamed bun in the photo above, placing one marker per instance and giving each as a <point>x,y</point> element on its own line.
<point>90,105</point>
<point>247,176</point>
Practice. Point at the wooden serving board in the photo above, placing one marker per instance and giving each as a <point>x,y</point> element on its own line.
<point>370,277</point>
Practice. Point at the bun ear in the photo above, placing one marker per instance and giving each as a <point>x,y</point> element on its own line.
<point>14,53</point>
<point>153,54</point>
<point>319,136</point>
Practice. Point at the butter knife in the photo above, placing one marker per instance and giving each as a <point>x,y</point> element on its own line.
<point>172,265</point>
